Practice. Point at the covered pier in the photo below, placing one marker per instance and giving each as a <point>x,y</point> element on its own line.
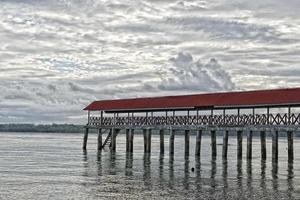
<point>242,112</point>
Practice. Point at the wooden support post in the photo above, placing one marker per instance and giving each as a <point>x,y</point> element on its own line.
<point>171,146</point>
<point>290,137</point>
<point>85,138</point>
<point>275,146</point>
<point>249,144</point>
<point>263,145</point>
<point>162,141</point>
<point>127,140</point>
<point>99,147</point>
<point>198,143</point>
<point>147,140</point>
<point>131,136</point>
<point>113,139</point>
<point>187,143</point>
<point>213,144</point>
<point>225,144</point>
<point>239,145</point>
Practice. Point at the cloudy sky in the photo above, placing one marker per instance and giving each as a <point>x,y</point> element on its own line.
<point>56,56</point>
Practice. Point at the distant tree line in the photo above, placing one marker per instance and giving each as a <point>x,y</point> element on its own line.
<point>47,128</point>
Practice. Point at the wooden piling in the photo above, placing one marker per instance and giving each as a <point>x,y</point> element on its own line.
<point>127,140</point>
<point>99,146</point>
<point>239,145</point>
<point>171,146</point>
<point>85,138</point>
<point>263,145</point>
<point>290,137</point>
<point>130,138</point>
<point>275,146</point>
<point>249,144</point>
<point>187,143</point>
<point>162,141</point>
<point>213,144</point>
<point>113,139</point>
<point>147,140</point>
<point>225,144</point>
<point>198,143</point>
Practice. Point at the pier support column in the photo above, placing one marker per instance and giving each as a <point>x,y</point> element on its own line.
<point>99,146</point>
<point>147,140</point>
<point>290,137</point>
<point>162,141</point>
<point>129,140</point>
<point>171,146</point>
<point>113,139</point>
<point>263,145</point>
<point>187,143</point>
<point>225,144</point>
<point>85,138</point>
<point>275,146</point>
<point>198,143</point>
<point>213,144</point>
<point>239,145</point>
<point>249,145</point>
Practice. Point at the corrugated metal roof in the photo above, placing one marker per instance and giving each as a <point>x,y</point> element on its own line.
<point>229,99</point>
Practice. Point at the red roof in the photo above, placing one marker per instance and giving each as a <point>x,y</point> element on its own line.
<point>257,98</point>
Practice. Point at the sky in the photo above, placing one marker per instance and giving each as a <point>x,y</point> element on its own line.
<point>57,56</point>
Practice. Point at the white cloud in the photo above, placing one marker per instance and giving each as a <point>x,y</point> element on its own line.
<point>56,56</point>
<point>188,75</point>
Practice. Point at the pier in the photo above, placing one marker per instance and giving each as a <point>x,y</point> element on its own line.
<point>241,112</point>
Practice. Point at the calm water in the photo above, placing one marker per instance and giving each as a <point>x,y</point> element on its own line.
<point>53,166</point>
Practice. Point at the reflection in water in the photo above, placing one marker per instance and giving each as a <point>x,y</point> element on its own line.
<point>112,163</point>
<point>263,176</point>
<point>212,176</point>
<point>275,175</point>
<point>249,177</point>
<point>161,170</point>
<point>147,170</point>
<point>198,173</point>
<point>128,164</point>
<point>99,164</point>
<point>186,173</point>
<point>239,175</point>
<point>225,176</point>
<point>290,177</point>
<point>171,171</point>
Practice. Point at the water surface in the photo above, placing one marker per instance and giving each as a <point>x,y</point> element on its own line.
<point>53,166</point>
